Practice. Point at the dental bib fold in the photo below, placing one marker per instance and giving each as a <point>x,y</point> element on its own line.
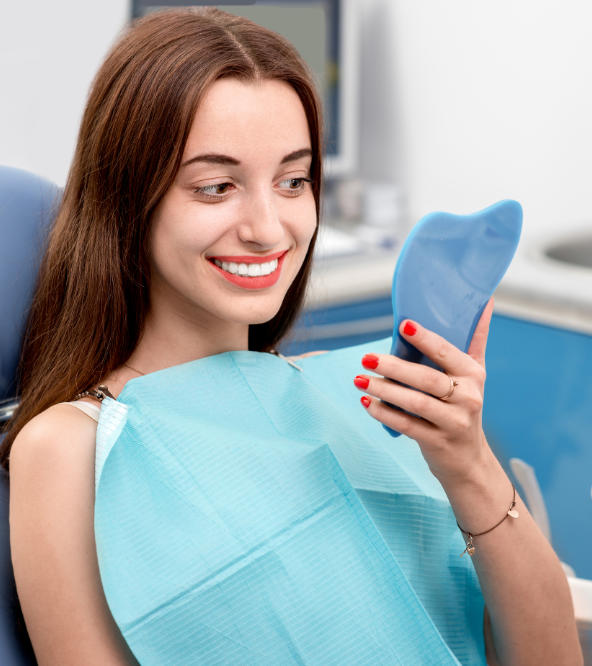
<point>249,513</point>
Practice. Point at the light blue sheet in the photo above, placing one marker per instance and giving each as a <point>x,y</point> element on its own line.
<point>249,513</point>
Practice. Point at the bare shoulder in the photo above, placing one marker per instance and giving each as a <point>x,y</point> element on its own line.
<point>59,431</point>
<point>59,441</point>
<point>52,466</point>
<point>51,477</point>
<point>52,541</point>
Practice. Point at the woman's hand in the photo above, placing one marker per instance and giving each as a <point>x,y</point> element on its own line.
<point>448,429</point>
<point>517,568</point>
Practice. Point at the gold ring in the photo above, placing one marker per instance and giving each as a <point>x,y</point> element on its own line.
<point>453,385</point>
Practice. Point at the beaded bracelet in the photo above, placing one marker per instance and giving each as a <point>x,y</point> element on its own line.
<point>468,536</point>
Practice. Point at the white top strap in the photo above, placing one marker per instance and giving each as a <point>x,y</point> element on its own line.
<point>88,408</point>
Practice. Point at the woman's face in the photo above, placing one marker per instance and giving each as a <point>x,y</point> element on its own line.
<point>230,235</point>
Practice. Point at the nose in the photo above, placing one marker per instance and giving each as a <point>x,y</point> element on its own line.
<point>260,224</point>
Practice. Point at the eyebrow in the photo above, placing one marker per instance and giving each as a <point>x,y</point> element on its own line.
<point>296,155</point>
<point>216,158</point>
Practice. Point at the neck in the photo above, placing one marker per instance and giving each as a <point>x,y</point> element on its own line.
<point>169,340</point>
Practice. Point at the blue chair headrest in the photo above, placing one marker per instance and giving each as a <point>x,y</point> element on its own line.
<point>28,205</point>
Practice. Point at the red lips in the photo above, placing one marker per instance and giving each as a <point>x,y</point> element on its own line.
<point>246,282</point>
<point>249,259</point>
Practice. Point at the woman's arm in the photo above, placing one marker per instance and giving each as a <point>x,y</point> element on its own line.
<point>52,542</point>
<point>525,590</point>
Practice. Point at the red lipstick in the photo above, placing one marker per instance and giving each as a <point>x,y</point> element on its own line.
<point>244,281</point>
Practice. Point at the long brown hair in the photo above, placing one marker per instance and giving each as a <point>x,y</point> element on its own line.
<point>93,289</point>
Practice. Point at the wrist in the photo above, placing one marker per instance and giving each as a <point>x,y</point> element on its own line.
<point>470,473</point>
<point>481,497</point>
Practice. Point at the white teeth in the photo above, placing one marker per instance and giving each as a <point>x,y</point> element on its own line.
<point>247,270</point>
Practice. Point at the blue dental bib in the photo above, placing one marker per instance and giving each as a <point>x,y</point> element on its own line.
<point>249,513</point>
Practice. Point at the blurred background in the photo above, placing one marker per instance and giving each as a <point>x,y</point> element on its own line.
<point>430,106</point>
<point>459,103</point>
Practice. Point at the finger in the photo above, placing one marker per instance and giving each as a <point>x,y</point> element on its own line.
<point>419,376</point>
<point>479,340</point>
<point>444,354</point>
<point>420,404</point>
<point>403,422</point>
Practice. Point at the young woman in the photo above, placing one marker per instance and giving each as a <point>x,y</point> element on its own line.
<point>186,231</point>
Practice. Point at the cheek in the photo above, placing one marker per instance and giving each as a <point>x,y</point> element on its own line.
<point>163,244</point>
<point>180,238</point>
<point>172,252</point>
<point>307,223</point>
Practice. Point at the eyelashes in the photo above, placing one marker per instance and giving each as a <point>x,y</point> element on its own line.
<point>296,185</point>
<point>217,191</point>
<point>290,187</point>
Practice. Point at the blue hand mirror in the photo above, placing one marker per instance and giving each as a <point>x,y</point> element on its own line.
<point>448,268</point>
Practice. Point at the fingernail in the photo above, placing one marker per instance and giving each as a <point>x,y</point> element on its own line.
<point>409,328</point>
<point>361,382</point>
<point>370,361</point>
<point>365,400</point>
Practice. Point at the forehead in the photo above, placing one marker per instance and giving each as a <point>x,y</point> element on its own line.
<point>235,117</point>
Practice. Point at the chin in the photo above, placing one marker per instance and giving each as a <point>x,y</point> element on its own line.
<point>264,315</point>
<point>263,319</point>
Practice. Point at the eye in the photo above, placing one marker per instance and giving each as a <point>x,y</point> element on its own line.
<point>214,192</point>
<point>293,186</point>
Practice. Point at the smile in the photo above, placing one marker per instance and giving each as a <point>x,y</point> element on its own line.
<point>250,272</point>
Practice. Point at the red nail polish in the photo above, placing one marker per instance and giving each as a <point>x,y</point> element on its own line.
<point>409,328</point>
<point>370,361</point>
<point>361,382</point>
<point>365,400</point>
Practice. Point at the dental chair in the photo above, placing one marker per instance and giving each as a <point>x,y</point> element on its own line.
<point>27,207</point>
